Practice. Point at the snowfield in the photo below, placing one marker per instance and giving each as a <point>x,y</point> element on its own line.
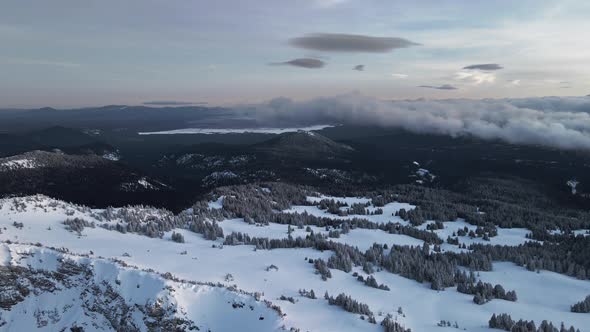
<point>359,237</point>
<point>112,156</point>
<point>505,237</point>
<point>388,215</point>
<point>143,183</point>
<point>197,261</point>
<point>107,292</point>
<point>12,164</point>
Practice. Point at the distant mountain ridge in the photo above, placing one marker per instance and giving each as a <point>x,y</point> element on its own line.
<point>89,178</point>
<point>45,159</point>
<point>68,140</point>
<point>110,117</point>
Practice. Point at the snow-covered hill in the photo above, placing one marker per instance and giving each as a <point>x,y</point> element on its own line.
<point>86,178</point>
<point>53,290</point>
<point>103,254</point>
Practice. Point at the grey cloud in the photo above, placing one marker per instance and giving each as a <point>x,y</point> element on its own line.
<point>560,122</point>
<point>309,63</point>
<point>338,42</point>
<point>439,87</point>
<point>317,56</point>
<point>484,66</point>
<point>172,103</point>
<point>359,67</point>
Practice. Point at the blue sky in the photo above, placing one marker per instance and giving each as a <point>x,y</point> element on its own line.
<point>70,53</point>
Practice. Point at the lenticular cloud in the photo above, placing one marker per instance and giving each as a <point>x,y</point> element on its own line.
<point>560,122</point>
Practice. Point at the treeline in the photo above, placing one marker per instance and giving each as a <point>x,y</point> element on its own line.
<point>342,209</point>
<point>391,325</point>
<point>484,202</point>
<point>310,294</point>
<point>505,202</point>
<point>582,306</point>
<point>569,257</point>
<point>372,282</point>
<point>417,263</point>
<point>351,305</point>
<point>433,204</point>
<point>483,291</point>
<point>263,203</point>
<point>177,237</point>
<point>210,229</point>
<point>422,265</point>
<point>77,224</point>
<point>506,323</point>
<point>515,202</point>
<point>260,202</point>
<point>153,222</point>
<point>303,219</point>
<point>322,269</point>
<point>142,220</point>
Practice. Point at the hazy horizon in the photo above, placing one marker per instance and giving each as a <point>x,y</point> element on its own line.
<point>65,54</point>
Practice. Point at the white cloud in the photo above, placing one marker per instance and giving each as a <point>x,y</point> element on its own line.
<point>397,75</point>
<point>514,82</point>
<point>475,77</point>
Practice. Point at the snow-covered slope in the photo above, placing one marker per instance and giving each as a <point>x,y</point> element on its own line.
<point>49,290</point>
<point>387,216</point>
<point>179,275</point>
<point>40,159</point>
<point>360,237</point>
<point>17,163</point>
<point>505,237</point>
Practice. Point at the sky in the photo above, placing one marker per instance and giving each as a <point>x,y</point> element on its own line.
<point>71,53</point>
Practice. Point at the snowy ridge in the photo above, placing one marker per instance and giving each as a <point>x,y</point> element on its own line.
<point>18,164</point>
<point>216,178</point>
<point>39,159</point>
<point>143,183</point>
<point>112,156</point>
<point>67,291</point>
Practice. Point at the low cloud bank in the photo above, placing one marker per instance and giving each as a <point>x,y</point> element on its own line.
<point>560,122</point>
